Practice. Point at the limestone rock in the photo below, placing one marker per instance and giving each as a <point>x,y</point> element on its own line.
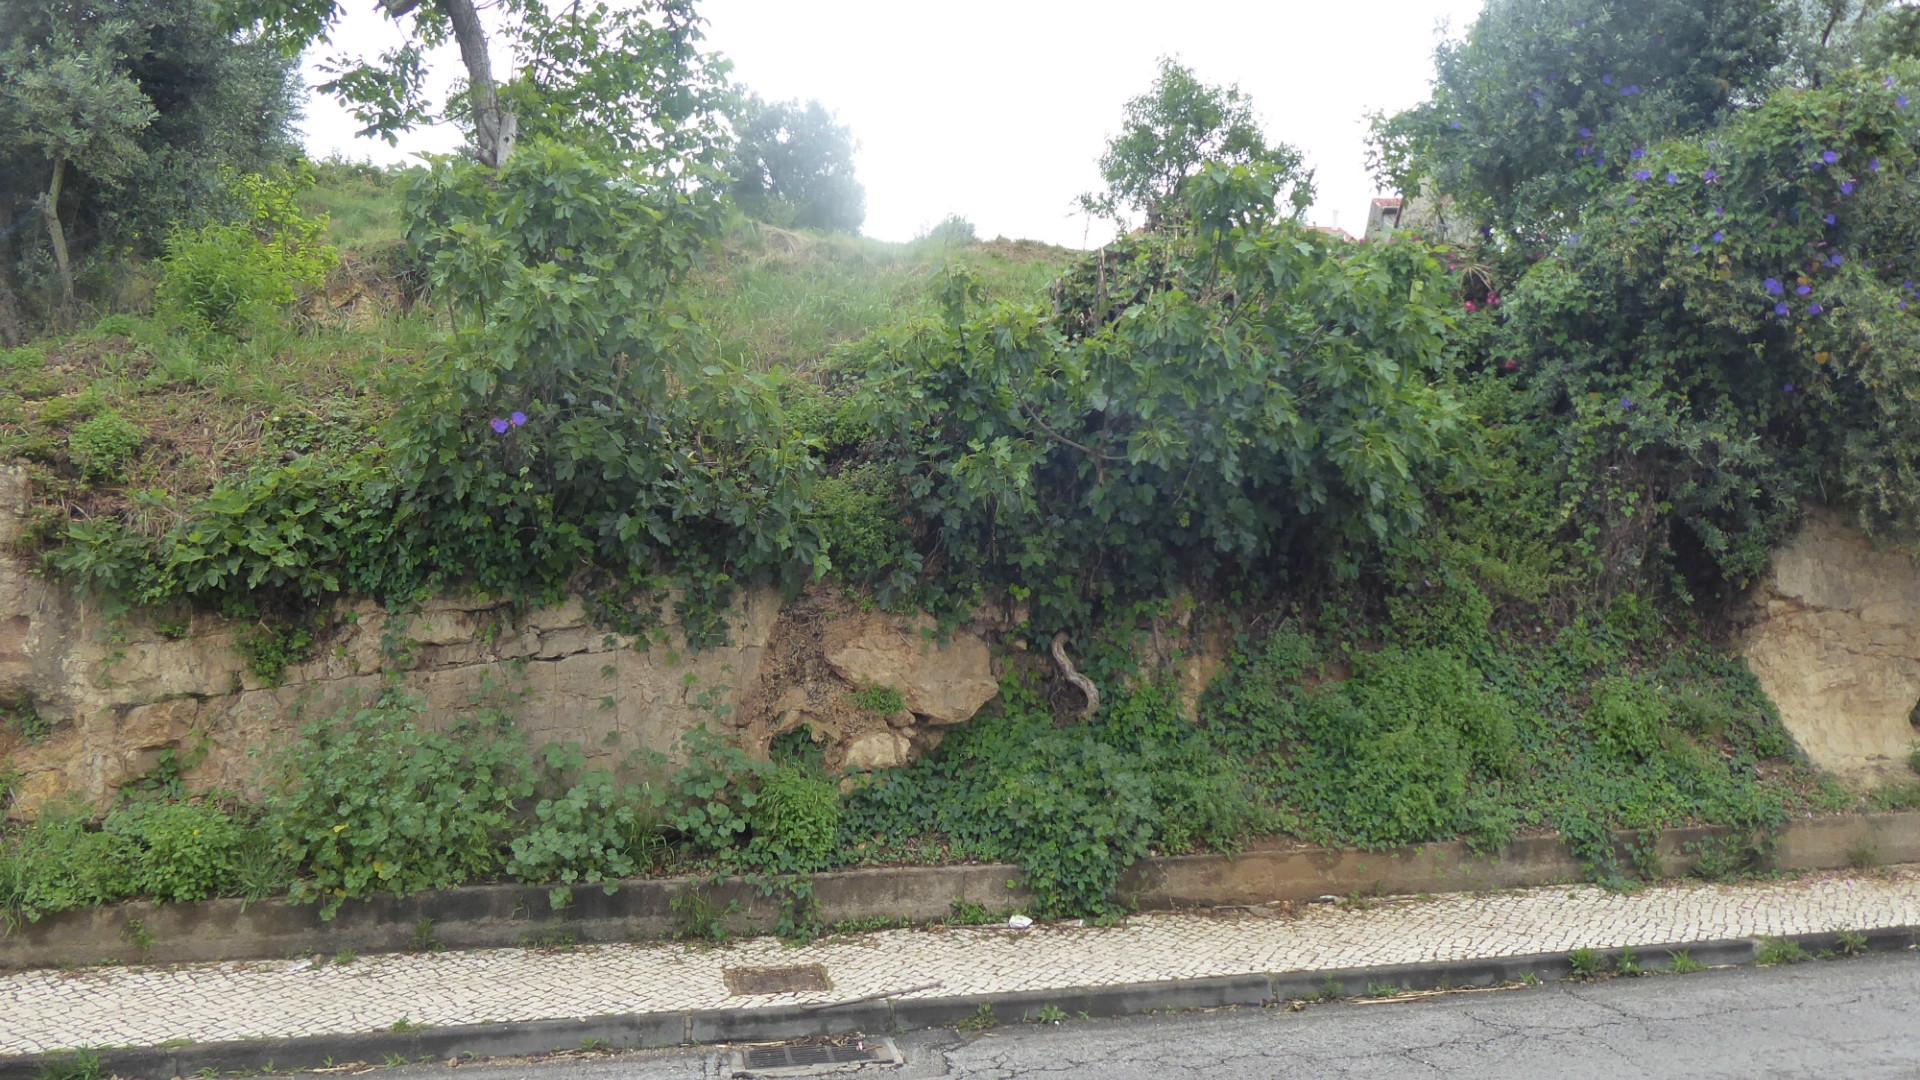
<point>942,682</point>
<point>877,750</point>
<point>1834,639</point>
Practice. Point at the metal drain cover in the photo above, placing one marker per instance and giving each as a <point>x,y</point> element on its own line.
<point>814,1058</point>
<point>797,979</point>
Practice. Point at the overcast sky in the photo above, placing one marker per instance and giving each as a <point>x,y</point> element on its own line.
<point>998,110</point>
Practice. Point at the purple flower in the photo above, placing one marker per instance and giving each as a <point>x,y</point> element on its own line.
<point>1709,176</point>
<point>1586,133</point>
<point>1455,125</point>
<point>1638,153</point>
<point>1874,165</point>
<point>1814,308</point>
<point>1804,290</point>
<point>1787,389</point>
<point>1846,188</point>
<point>1900,102</point>
<point>1630,91</point>
<point>499,426</point>
<point>1773,286</point>
<point>1835,261</point>
<point>1903,305</point>
<point>1626,404</point>
<point>1606,80</point>
<point>1673,178</point>
<point>1830,219</point>
<point>1829,157</point>
<point>1887,82</point>
<point>518,419</point>
<point>1782,309</point>
<point>1719,211</point>
<point>1718,236</point>
<point>1642,174</point>
<point>1696,249</point>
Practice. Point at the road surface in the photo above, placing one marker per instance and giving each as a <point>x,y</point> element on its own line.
<point>1853,1018</point>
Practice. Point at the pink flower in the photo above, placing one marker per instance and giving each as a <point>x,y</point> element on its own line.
<point>1472,307</point>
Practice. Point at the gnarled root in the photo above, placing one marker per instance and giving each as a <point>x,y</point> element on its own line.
<point>1080,682</point>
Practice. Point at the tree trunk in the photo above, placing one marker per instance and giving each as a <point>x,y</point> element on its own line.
<point>50,206</point>
<point>493,127</point>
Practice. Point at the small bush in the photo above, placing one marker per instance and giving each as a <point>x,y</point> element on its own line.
<point>102,446</point>
<point>1776,951</point>
<point>225,277</point>
<point>1585,963</point>
<point>797,819</point>
<point>182,851</point>
<point>879,700</point>
<point>59,863</point>
<point>595,832</point>
<point>951,231</point>
<point>1627,718</point>
<point>373,804</point>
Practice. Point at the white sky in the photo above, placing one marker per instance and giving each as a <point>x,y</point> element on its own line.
<point>998,110</point>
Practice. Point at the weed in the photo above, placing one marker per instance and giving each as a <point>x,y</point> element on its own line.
<point>1050,1014</point>
<point>77,1065</point>
<point>1682,963</point>
<point>981,1020</point>
<point>1775,951</point>
<point>422,939</point>
<point>1864,855</point>
<point>138,936</point>
<point>1850,943</point>
<point>879,700</point>
<point>345,957</point>
<point>1529,979</point>
<point>1586,963</point>
<point>967,913</point>
<point>595,1046</point>
<point>1628,964</point>
<point>1385,990</point>
<point>1329,990</point>
<point>695,918</point>
<point>403,1026</point>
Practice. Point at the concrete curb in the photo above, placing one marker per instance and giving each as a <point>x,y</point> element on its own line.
<point>505,916</point>
<point>637,1031</point>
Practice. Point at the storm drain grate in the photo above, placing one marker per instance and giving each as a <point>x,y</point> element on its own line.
<point>838,1055</point>
<point>798,978</point>
<point>784,1057</point>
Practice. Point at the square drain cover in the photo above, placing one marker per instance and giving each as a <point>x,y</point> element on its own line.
<point>813,1058</point>
<point>797,979</point>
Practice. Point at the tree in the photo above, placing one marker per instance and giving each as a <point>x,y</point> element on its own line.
<point>1171,132</point>
<point>1531,107</point>
<point>793,165</point>
<point>123,123</point>
<point>630,81</point>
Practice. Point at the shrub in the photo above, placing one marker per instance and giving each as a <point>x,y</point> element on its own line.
<point>1627,717</point>
<point>372,804</point>
<point>797,819</point>
<point>595,832</point>
<point>102,446</point>
<point>181,851</point>
<point>59,863</point>
<point>225,277</point>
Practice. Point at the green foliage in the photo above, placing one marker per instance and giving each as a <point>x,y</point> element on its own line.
<point>595,831</point>
<point>863,533</point>
<point>180,851</point>
<point>1681,963</point>
<point>372,804</point>
<point>1073,807</point>
<point>1586,963</point>
<point>713,796</point>
<point>76,1065</point>
<point>1195,404</point>
<point>879,700</point>
<point>230,277</point>
<point>102,446</point>
<point>1775,951</point>
<point>1174,131</point>
<point>21,717</point>
<point>1502,132</point>
<point>58,863</point>
<point>793,166</point>
<point>796,822</point>
<point>269,647</point>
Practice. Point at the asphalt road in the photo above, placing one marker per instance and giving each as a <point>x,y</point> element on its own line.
<point>1852,1018</point>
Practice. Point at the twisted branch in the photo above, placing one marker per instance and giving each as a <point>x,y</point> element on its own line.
<point>1080,682</point>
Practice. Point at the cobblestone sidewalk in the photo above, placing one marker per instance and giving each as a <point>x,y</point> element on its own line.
<point>148,1006</point>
